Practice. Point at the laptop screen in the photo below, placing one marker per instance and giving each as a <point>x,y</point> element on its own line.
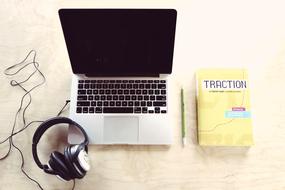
<point>119,42</point>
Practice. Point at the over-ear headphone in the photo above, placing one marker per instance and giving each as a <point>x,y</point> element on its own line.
<point>74,163</point>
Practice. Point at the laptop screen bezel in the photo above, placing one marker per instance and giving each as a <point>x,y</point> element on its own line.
<point>76,68</point>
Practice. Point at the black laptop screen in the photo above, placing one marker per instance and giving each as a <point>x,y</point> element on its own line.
<point>119,42</point>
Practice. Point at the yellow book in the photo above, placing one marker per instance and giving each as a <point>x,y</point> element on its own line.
<point>223,106</point>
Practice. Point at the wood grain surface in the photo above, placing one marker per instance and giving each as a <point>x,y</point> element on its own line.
<point>222,33</point>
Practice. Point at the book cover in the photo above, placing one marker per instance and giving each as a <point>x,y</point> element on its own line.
<point>223,107</point>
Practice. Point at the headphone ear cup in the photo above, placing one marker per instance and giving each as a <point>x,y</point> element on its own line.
<point>70,154</point>
<point>58,165</point>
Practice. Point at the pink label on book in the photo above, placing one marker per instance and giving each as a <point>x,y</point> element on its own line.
<point>238,108</point>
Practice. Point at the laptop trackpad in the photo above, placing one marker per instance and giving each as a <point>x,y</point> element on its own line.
<point>121,130</point>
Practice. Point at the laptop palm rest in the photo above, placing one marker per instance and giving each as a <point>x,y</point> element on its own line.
<point>121,129</point>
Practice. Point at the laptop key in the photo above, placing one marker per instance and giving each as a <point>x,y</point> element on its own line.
<point>111,86</point>
<point>83,103</point>
<point>160,97</point>
<point>159,104</point>
<point>157,109</point>
<point>85,110</point>
<point>137,110</point>
<point>144,110</point>
<point>146,97</point>
<point>143,103</point>
<point>79,110</point>
<point>161,86</point>
<point>91,110</point>
<point>137,103</point>
<point>81,92</point>
<point>124,103</point>
<point>130,103</point>
<point>98,110</point>
<point>117,110</point>
<point>81,97</point>
<point>80,86</point>
<point>118,103</point>
<point>86,85</point>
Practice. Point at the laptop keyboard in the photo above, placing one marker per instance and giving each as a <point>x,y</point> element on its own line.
<point>121,96</point>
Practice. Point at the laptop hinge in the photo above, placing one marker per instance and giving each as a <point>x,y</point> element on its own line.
<point>127,75</point>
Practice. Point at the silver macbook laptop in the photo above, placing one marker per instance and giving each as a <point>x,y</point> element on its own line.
<point>120,59</point>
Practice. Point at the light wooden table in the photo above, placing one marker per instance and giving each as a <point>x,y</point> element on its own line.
<point>222,33</point>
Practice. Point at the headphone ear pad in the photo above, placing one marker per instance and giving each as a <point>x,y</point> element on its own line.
<point>58,165</point>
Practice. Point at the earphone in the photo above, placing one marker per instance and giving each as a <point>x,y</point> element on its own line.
<point>74,163</point>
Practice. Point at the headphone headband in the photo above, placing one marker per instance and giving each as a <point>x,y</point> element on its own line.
<point>45,126</point>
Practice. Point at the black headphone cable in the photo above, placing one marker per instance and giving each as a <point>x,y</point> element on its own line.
<point>27,92</point>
